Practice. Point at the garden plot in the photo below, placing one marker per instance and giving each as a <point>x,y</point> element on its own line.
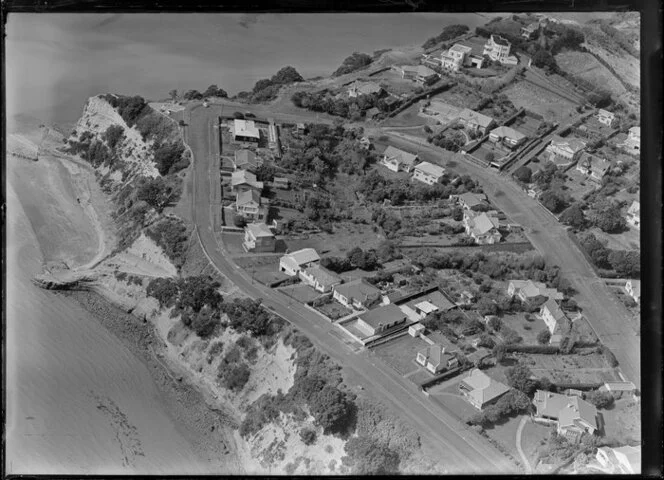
<point>535,99</point>
<point>578,185</point>
<point>346,236</point>
<point>300,292</point>
<point>460,96</point>
<point>527,125</point>
<point>572,368</point>
<point>442,112</point>
<point>526,327</point>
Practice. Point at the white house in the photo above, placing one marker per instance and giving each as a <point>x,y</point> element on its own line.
<point>605,117</point>
<point>498,50</point>
<point>469,200</point>
<point>482,227</point>
<point>416,330</point>
<point>475,121</point>
<point>481,390</point>
<point>419,73</point>
<point>526,290</point>
<point>250,205</point>
<point>633,142</point>
<point>356,294</point>
<point>435,359</point>
<point>555,319</point>
<point>633,289</point>
<point>320,278</point>
<point>508,136</point>
<point>566,149</point>
<point>571,415</point>
<point>428,173</point>
<point>245,131</point>
<point>528,31</point>
<point>398,160</point>
<point>292,263</point>
<point>258,238</point>
<point>634,214</point>
<point>455,57</point>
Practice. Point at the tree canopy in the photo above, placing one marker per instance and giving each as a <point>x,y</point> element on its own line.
<point>354,62</point>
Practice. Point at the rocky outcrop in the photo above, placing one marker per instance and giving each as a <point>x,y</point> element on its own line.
<point>66,280</point>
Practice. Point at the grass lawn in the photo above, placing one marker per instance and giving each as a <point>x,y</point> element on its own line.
<point>571,368</point>
<point>300,292</point>
<point>400,353</point>
<point>577,184</point>
<point>587,67</point>
<point>526,330</point>
<point>408,118</point>
<point>258,262</point>
<point>532,436</point>
<point>453,401</point>
<point>346,236</point>
<point>505,434</point>
<point>334,310</point>
<point>233,242</point>
<point>540,101</point>
<point>623,421</point>
<point>460,96</point>
<point>269,277</point>
<point>527,125</point>
<point>628,240</point>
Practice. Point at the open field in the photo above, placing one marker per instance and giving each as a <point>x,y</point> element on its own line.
<point>532,436</point>
<point>400,353</point>
<point>578,185</point>
<point>623,421</point>
<point>460,96</point>
<point>346,236</point>
<point>300,292</point>
<point>504,432</point>
<point>586,66</point>
<point>452,400</point>
<point>527,125</point>
<point>627,240</point>
<point>572,368</point>
<point>535,99</point>
<point>526,330</point>
<point>408,118</point>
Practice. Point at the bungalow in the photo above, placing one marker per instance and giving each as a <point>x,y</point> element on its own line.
<point>605,117</point>
<point>633,142</point>
<point>243,181</point>
<point>320,278</point>
<point>428,173</point>
<point>398,160</point>
<point>526,290</point>
<point>381,319</point>
<point>474,121</point>
<point>368,88</point>
<point>481,390</point>
<point>246,160</point>
<point>554,318</point>
<point>258,238</point>
<point>356,294</point>
<point>508,136</point>
<point>469,200</point>
<point>455,57</point>
<point>622,460</point>
<point>250,205</point>
<point>634,214</point>
<point>633,289</point>
<point>434,301</point>
<point>565,149</point>
<point>420,73</point>
<point>245,131</point>
<point>498,50</point>
<point>482,227</point>
<point>571,415</point>
<point>593,166</point>
<point>435,359</point>
<point>528,31</point>
<point>292,263</point>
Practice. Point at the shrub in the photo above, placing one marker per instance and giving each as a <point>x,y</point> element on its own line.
<point>169,158</point>
<point>369,457</point>
<point>354,62</point>
<point>610,357</point>
<point>236,376</point>
<point>544,336</point>
<point>129,108</point>
<point>519,377</point>
<point>171,235</point>
<point>113,135</point>
<point>523,174</point>
<point>602,400</point>
<point>308,436</point>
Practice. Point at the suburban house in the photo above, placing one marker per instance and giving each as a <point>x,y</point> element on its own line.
<point>633,289</point>
<point>251,205</point>
<point>356,294</point>
<point>474,121</point>
<point>320,278</point>
<point>508,136</point>
<point>416,330</point>
<point>605,117</point>
<point>398,160</point>
<point>526,290</point>
<point>419,73</point>
<point>469,200</point>
<point>571,415</point>
<point>634,214</point>
<point>292,263</point>
<point>528,31</point>
<point>428,173</point>
<point>498,50</point>
<point>368,88</point>
<point>482,227</point>
<point>435,359</point>
<point>593,166</point>
<point>455,57</point>
<point>422,305</point>
<point>243,181</point>
<point>245,131</point>
<point>258,238</point>
<point>281,182</point>
<point>381,319</point>
<point>246,160</point>
<point>622,460</point>
<point>566,149</point>
<point>633,142</point>
<point>555,319</point>
<point>481,390</point>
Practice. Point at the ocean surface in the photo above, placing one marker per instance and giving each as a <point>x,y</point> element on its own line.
<point>54,62</point>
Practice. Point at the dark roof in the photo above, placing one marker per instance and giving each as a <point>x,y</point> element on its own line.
<point>383,315</point>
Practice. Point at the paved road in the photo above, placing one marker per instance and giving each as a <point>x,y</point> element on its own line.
<point>612,322</point>
<point>460,449</point>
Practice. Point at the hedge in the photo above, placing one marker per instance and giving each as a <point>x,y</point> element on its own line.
<point>543,349</point>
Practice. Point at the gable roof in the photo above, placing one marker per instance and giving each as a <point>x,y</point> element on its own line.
<point>248,196</point>
<point>367,88</point>
<point>372,112</point>
<point>634,208</point>
<point>605,113</point>
<point>635,131</point>
<point>508,132</point>
<point>472,116</point>
<point>483,388</point>
<point>246,157</point>
<point>400,155</point>
<point>552,306</point>
<point>324,276</point>
<point>259,230</point>
<point>382,315</point>
<point>471,199</point>
<point>435,356</point>
<point>482,223</point>
<point>426,306</point>
<point>357,289</point>
<point>245,128</point>
<point>430,169</point>
<point>306,255</point>
<point>572,144</point>
<point>577,409</point>
<point>240,177</point>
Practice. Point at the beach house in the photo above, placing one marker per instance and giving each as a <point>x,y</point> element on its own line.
<point>356,294</point>
<point>258,238</point>
<point>428,173</point>
<point>474,121</point>
<point>455,57</point>
<point>435,359</point>
<point>481,390</point>
<point>398,160</point>
<point>571,415</point>
<point>292,263</point>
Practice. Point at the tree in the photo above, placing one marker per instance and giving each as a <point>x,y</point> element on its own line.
<point>544,59</point>
<point>308,436</point>
<point>354,62</point>
<point>486,306</point>
<point>625,263</point>
<point>214,91</point>
<point>495,324</point>
<point>602,400</point>
<point>523,174</point>
<point>369,457</point>
<point>489,157</point>
<point>544,336</point>
<point>236,376</point>
<point>608,217</point>
<point>519,377</point>
<point>113,135</point>
<point>486,341</point>
<point>205,322</point>
<point>193,95</point>
<point>573,216</point>
<point>552,201</point>
<point>330,407</point>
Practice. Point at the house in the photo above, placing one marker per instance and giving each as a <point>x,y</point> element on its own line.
<point>372,113</point>
<point>356,294</point>
<point>634,214</point>
<point>365,143</point>
<point>455,57</point>
<point>245,131</point>
<point>508,136</point>
<point>633,142</point>
<point>381,319</point>
<point>526,290</point>
<point>368,88</point>
<point>466,298</point>
<point>258,238</point>
<point>605,117</point>
<point>617,389</point>
<point>419,73</point>
<point>244,180</point>
<point>301,128</point>
<point>435,301</point>
<point>528,31</point>
<point>571,415</point>
<point>250,205</point>
<point>566,149</point>
<point>428,173</point>
<point>633,289</point>
<point>435,359</point>
<point>481,390</point>
<point>482,227</point>
<point>281,182</point>
<point>416,330</point>
<point>320,278</point>
<point>623,460</point>
<point>553,316</point>
<point>246,160</point>
<point>469,200</point>
<point>398,160</point>
<point>593,166</point>
<point>475,121</point>
<point>498,50</point>
<point>292,263</point>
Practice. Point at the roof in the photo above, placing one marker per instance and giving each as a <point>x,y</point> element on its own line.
<point>475,117</point>
<point>280,180</point>
<point>595,163</point>
<point>357,289</point>
<point>482,223</point>
<point>372,112</point>
<point>324,276</point>
<point>426,306</point>
<point>548,403</point>
<point>533,289</point>
<point>435,298</point>
<point>572,143</point>
<point>605,113</point>
<point>471,199</point>
<point>552,306</point>
<point>248,196</point>
<point>577,409</point>
<point>619,386</point>
<point>245,128</point>
<point>435,356</point>
<point>418,327</point>
<point>500,40</point>
<point>636,287</point>
<point>430,169</point>
<point>635,131</point>
<point>382,315</point>
<point>508,132</point>
<point>483,388</point>
<point>400,155</point>
<point>306,255</point>
<point>367,88</point>
<point>635,207</point>
<point>458,47</point>
<point>532,27</point>
<point>246,157</point>
<point>240,177</point>
<point>259,230</point>
<point>424,71</point>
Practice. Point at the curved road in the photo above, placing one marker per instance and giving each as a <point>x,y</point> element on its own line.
<point>461,450</point>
